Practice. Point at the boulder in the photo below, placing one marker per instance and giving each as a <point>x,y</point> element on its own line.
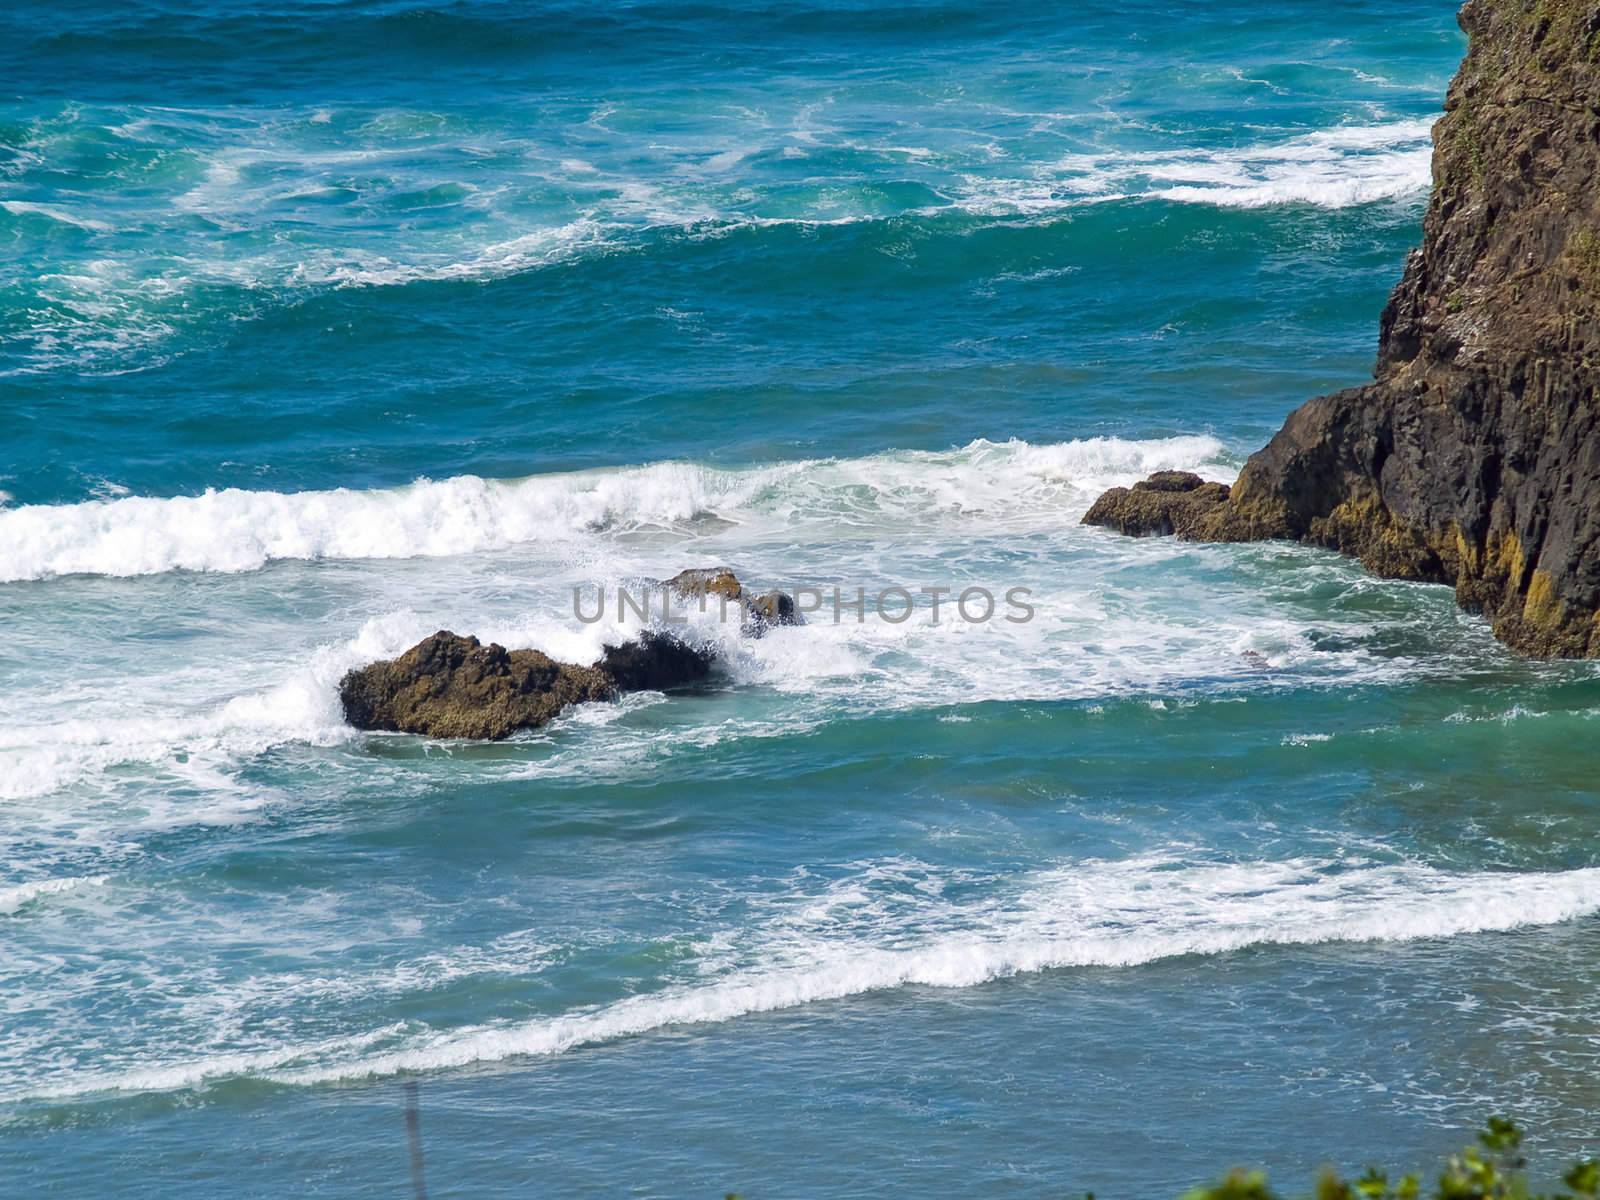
<point>771,608</point>
<point>654,662</point>
<point>448,686</point>
<point>702,583</point>
<point>1168,502</point>
<point>757,613</point>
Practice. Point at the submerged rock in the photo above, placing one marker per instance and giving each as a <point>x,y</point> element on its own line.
<point>1474,458</point>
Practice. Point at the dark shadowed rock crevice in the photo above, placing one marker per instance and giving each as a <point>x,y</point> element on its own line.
<point>654,662</point>
<point>1474,458</point>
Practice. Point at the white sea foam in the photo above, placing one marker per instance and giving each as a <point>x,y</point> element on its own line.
<point>15,897</point>
<point>510,256</point>
<point>38,759</point>
<point>54,213</point>
<point>260,230</point>
<point>1332,168</point>
<point>989,514</point>
<point>1305,739</point>
<point>852,940</point>
<point>236,530</point>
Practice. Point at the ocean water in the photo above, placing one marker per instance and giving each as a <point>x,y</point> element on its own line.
<point>326,325</point>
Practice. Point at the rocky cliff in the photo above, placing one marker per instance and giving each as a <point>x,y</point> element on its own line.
<point>1473,459</point>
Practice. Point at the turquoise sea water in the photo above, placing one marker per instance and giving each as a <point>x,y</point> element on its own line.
<point>326,325</point>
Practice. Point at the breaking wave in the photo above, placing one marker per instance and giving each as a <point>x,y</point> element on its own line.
<point>848,942</point>
<point>15,897</point>
<point>236,530</point>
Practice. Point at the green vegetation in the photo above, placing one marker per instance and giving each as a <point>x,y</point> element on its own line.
<point>1584,251</point>
<point>1492,1170</point>
<point>1469,139</point>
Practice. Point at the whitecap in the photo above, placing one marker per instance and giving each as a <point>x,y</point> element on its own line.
<point>55,213</point>
<point>16,896</point>
<point>237,530</point>
<point>854,939</point>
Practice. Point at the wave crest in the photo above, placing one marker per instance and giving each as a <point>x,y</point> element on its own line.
<point>855,939</point>
<point>15,897</point>
<point>236,530</point>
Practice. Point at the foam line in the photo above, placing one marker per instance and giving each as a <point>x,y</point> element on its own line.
<point>1109,914</point>
<point>237,530</point>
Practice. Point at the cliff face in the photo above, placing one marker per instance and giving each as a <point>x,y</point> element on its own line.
<point>1474,457</point>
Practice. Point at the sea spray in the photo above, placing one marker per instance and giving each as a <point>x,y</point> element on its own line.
<point>235,530</point>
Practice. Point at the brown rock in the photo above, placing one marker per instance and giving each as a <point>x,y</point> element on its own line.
<point>757,614</point>
<point>1474,459</point>
<point>1166,503</point>
<point>704,582</point>
<point>1169,481</point>
<point>448,686</point>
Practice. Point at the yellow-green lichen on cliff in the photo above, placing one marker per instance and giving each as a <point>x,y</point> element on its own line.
<point>1474,457</point>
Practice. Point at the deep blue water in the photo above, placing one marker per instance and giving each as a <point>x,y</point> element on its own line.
<point>326,325</point>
